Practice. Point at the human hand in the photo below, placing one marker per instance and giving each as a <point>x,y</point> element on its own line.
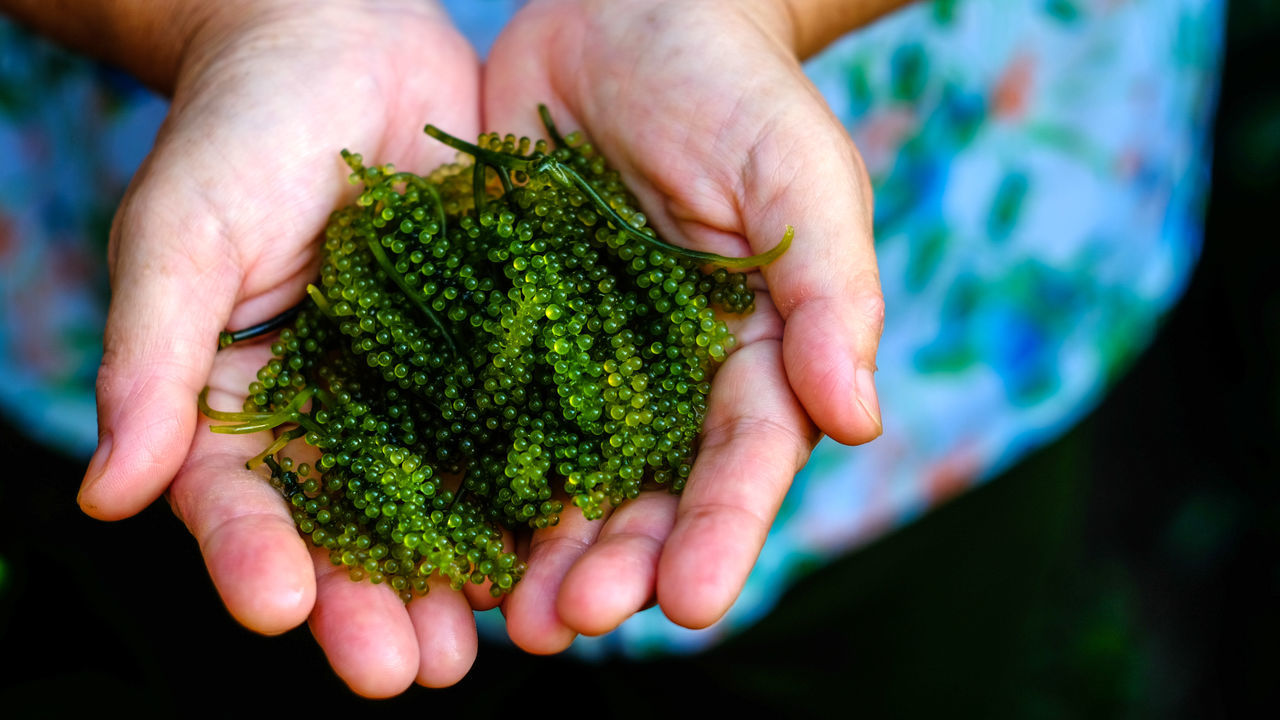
<point>705,111</point>
<point>218,230</point>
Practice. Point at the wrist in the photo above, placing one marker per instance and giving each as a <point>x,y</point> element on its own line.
<point>153,39</point>
<point>143,37</point>
<point>817,23</point>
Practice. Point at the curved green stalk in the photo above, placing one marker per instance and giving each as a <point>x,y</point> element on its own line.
<point>550,125</point>
<point>564,174</point>
<point>505,177</point>
<point>567,176</point>
<point>478,193</point>
<point>482,155</point>
<point>275,447</point>
<point>390,270</point>
<point>202,402</point>
<point>253,422</point>
<point>502,163</point>
<point>322,302</point>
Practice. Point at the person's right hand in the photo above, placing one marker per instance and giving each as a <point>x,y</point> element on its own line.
<point>219,230</point>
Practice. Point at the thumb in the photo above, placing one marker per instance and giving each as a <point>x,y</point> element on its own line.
<point>826,286</point>
<point>174,280</point>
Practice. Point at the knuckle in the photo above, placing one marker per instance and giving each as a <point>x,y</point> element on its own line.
<point>871,308</point>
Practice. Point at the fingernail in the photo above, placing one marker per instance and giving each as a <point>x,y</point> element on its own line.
<point>865,387</point>
<point>96,464</point>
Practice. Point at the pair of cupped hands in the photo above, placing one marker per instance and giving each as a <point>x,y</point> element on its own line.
<point>702,107</point>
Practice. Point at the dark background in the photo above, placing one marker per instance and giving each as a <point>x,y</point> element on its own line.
<point>1131,569</point>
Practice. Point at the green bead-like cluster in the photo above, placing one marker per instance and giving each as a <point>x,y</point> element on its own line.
<point>478,339</point>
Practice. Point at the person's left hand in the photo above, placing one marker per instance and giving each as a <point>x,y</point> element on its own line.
<point>705,111</point>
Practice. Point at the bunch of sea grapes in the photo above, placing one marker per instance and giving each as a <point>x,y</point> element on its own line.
<point>479,341</point>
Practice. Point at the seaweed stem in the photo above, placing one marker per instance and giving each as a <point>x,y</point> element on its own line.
<point>226,338</point>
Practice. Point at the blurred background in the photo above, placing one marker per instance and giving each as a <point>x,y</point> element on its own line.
<point>1130,569</point>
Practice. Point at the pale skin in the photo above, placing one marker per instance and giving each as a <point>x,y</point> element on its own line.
<point>703,108</point>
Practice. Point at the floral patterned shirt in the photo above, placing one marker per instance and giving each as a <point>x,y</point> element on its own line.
<point>1041,170</point>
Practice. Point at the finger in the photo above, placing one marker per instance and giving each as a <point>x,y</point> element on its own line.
<point>479,595</point>
<point>446,631</point>
<point>804,171</point>
<point>257,560</point>
<point>533,621</point>
<point>157,352</point>
<point>616,576</point>
<point>516,80</point>
<point>365,631</point>
<point>756,437</point>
